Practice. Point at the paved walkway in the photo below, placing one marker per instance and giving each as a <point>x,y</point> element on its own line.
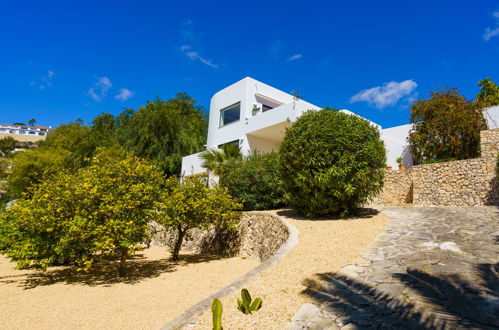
<point>432,268</point>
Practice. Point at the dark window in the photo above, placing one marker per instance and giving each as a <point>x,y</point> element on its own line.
<point>266,108</point>
<point>235,143</point>
<point>230,114</point>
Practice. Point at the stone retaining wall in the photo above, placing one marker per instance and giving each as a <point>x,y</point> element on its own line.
<point>469,182</point>
<point>258,235</point>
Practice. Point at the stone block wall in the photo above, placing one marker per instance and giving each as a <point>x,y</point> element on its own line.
<point>259,235</point>
<point>469,182</point>
<point>489,143</point>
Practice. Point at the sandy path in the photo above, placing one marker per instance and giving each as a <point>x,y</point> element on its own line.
<point>60,300</point>
<point>324,246</point>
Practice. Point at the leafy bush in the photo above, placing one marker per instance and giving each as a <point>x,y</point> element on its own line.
<point>192,204</point>
<point>255,181</point>
<point>7,145</point>
<point>69,146</point>
<point>433,161</point>
<point>446,125</point>
<point>74,218</point>
<point>32,167</point>
<point>331,163</point>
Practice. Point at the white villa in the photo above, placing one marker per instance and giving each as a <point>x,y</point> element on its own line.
<point>24,130</point>
<point>255,116</point>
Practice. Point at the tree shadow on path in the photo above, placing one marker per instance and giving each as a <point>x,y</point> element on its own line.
<point>363,213</point>
<point>427,302</point>
<point>104,272</point>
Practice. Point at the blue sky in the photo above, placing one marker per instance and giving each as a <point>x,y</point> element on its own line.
<point>63,60</point>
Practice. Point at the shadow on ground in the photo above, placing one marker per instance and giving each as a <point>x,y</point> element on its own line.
<point>105,272</point>
<point>363,213</point>
<point>454,302</point>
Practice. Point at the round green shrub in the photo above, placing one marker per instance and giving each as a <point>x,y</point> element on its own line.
<point>255,181</point>
<point>331,163</point>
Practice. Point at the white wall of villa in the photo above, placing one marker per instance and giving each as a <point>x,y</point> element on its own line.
<point>262,131</point>
<point>492,117</point>
<point>232,120</point>
<point>395,139</point>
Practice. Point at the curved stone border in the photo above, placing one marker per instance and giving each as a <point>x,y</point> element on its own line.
<point>203,305</point>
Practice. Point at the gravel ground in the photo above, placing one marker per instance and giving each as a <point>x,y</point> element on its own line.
<point>155,292</point>
<point>324,246</point>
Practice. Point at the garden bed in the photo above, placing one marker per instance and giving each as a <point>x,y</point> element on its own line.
<point>155,291</point>
<point>324,246</point>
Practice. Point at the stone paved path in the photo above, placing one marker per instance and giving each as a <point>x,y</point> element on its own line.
<point>432,268</point>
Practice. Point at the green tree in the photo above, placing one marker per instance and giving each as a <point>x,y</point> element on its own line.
<point>7,145</point>
<point>32,121</point>
<point>164,131</point>
<point>213,159</point>
<point>77,139</point>
<point>104,130</point>
<point>101,210</point>
<point>331,163</point>
<point>32,167</point>
<point>20,124</point>
<point>192,204</point>
<point>69,146</point>
<point>255,181</point>
<point>445,126</point>
<point>489,93</point>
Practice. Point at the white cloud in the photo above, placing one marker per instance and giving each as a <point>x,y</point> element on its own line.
<point>490,33</point>
<point>100,89</point>
<point>276,47</point>
<point>44,82</point>
<point>386,95</point>
<point>195,56</point>
<point>187,31</point>
<point>124,94</point>
<point>294,57</point>
<point>191,36</point>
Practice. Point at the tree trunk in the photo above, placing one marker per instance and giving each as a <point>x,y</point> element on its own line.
<point>123,256</point>
<point>178,243</point>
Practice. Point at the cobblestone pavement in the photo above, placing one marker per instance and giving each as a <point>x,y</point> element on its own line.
<point>432,268</point>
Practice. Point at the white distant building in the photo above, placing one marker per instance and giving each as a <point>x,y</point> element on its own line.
<point>254,116</point>
<point>24,130</point>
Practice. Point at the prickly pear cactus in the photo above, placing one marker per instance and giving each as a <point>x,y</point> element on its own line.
<point>245,305</point>
<point>216,311</point>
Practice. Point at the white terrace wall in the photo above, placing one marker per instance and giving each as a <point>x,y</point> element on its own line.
<point>469,182</point>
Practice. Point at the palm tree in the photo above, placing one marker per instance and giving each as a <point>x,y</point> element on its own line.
<point>214,158</point>
<point>32,121</point>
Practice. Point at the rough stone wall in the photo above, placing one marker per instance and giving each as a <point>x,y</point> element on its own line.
<point>397,189</point>
<point>258,234</point>
<point>469,182</point>
<point>489,143</point>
